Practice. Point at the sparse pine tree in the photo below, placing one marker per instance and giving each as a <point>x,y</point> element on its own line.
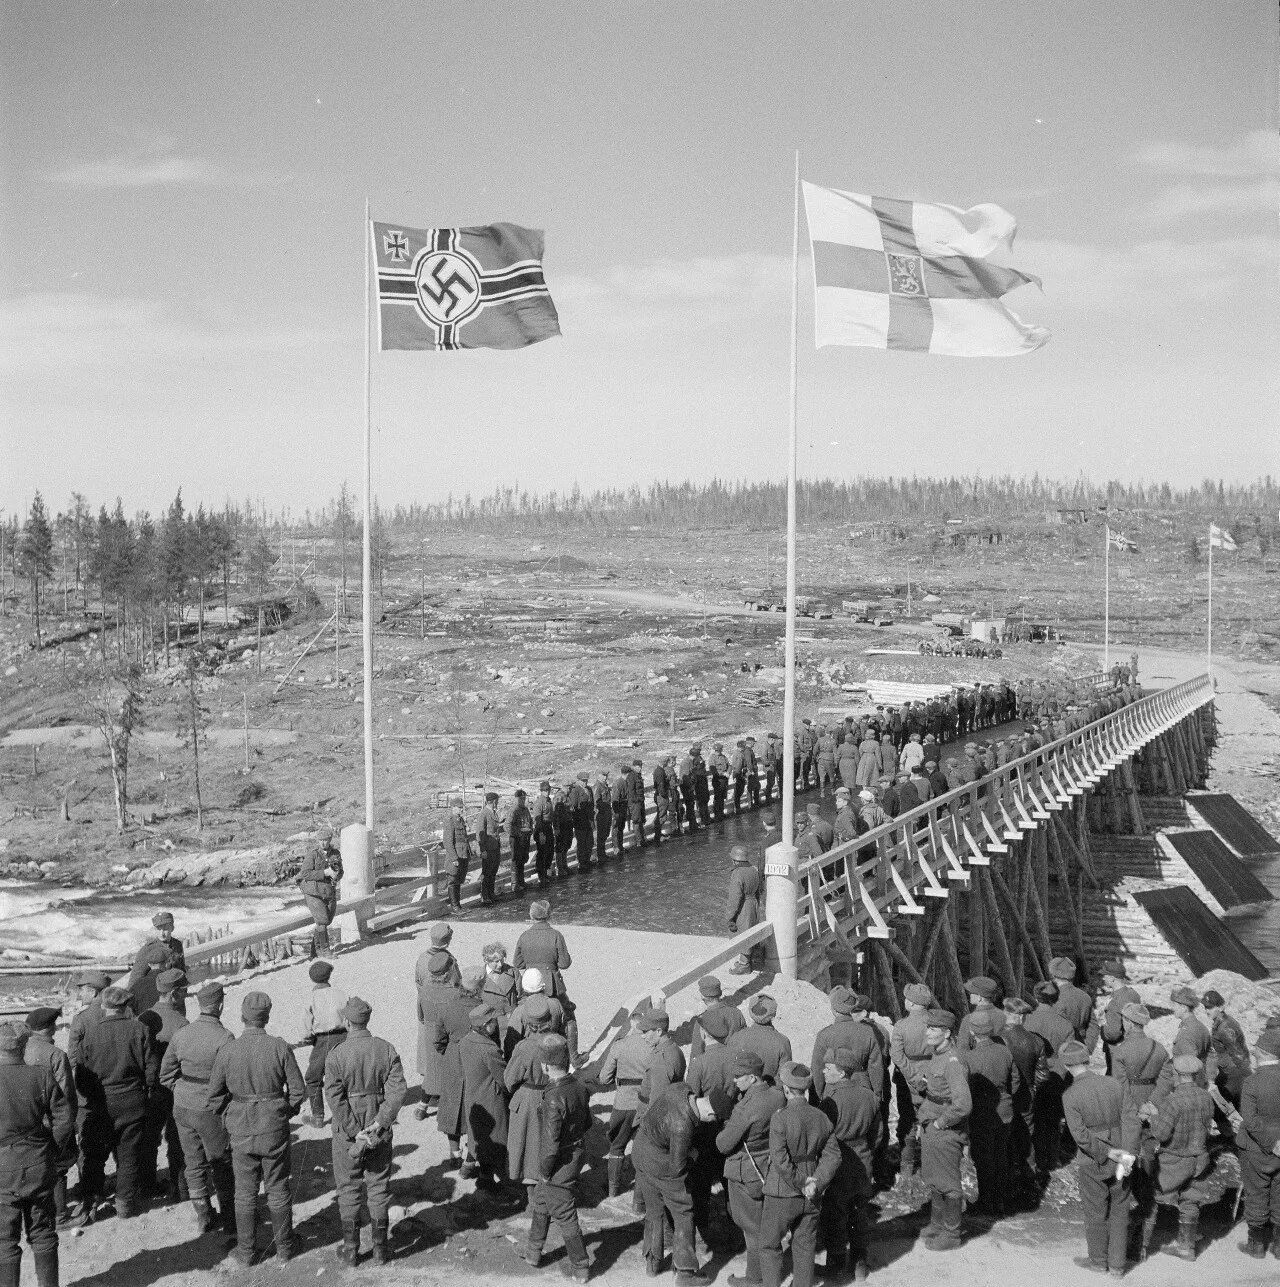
<point>193,719</point>
<point>35,555</point>
<point>260,564</point>
<point>114,702</point>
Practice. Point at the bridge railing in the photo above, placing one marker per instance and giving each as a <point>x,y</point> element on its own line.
<point>849,893</point>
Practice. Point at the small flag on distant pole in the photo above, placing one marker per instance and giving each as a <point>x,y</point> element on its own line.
<point>1120,541</point>
<point>461,288</point>
<point>914,276</point>
<point>1221,539</point>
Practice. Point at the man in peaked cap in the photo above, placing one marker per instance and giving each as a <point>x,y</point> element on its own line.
<point>1192,1038</point>
<point>1028,1055</point>
<point>772,765</point>
<point>908,1049</point>
<point>742,904</point>
<point>804,1159</point>
<point>984,995</point>
<point>166,1017</point>
<point>851,1031</point>
<point>118,1072</point>
<point>1074,1004</point>
<point>519,824</point>
<point>762,1037</point>
<point>666,1060</point>
<point>1260,1155</point>
<point>457,851</point>
<point>90,986</point>
<point>364,1086</point>
<point>744,1143</point>
<point>41,1051</point>
<point>718,769</point>
<point>318,879</point>
<point>943,1083</point>
<point>711,1076</point>
<point>163,952</point>
<point>624,1069</point>
<point>662,787</point>
<point>256,1085</point>
<point>542,947</point>
<point>713,1001</point>
<point>1119,995</point>
<point>1093,1106</point>
<point>582,805</point>
<point>37,1125</point>
<point>323,1028</point>
<point>618,800</point>
<point>1052,1028</point>
<point>484,1097</point>
<point>603,804</point>
<point>636,801</point>
<point>489,840</point>
<point>1230,1049</point>
<point>993,1079</point>
<point>858,1124</point>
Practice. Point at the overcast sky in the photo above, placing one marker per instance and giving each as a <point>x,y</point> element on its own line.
<point>181,293</point>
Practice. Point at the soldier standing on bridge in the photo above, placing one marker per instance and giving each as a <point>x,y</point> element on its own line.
<point>604,814</point>
<point>772,765</point>
<point>457,852</point>
<point>700,787</point>
<point>318,880</point>
<point>364,1086</point>
<point>543,833</point>
<point>618,799</point>
<point>718,767</point>
<point>490,842</point>
<point>742,906</point>
<point>635,801</point>
<point>520,832</point>
<point>583,807</point>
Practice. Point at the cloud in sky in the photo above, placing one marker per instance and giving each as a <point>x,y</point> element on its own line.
<point>156,164</point>
<point>1256,154</point>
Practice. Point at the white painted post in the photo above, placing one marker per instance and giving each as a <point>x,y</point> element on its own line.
<point>780,907</point>
<point>357,885</point>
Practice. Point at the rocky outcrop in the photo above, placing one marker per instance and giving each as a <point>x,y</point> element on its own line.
<point>272,864</point>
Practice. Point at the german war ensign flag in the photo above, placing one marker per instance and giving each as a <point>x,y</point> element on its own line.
<point>461,288</point>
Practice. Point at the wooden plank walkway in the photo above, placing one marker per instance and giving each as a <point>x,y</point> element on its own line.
<point>1203,941</point>
<point>1244,834</point>
<point>1225,876</point>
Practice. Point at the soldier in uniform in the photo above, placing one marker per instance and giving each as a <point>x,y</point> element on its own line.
<point>908,1049</point>
<point>852,1032</point>
<point>710,1075</point>
<point>604,814</point>
<point>666,1062</point>
<point>661,1158</point>
<point>993,1081</point>
<point>520,833</point>
<point>752,767</point>
<point>166,1017</point>
<point>806,754</point>
<point>583,807</point>
<point>943,1083</point>
<point>533,996</point>
<point>323,1028</point>
<point>1093,1106</point>
<point>318,879</point>
<point>661,798</point>
<point>119,1071</point>
<point>1028,1053</point>
<point>525,1081</point>
<point>688,791</point>
<point>819,835</point>
<point>542,947</point>
<point>185,1071</point>
<point>1192,1038</point>
<point>255,1084</point>
<point>1260,1156</point>
<point>855,1116</point>
<point>1227,1041</point>
<point>713,1001</point>
<point>773,1047</point>
<point>804,1158</point>
<point>984,997</point>
<point>1119,995</point>
<point>825,759</point>
<point>772,765</point>
<point>364,1086</point>
<point>457,852</point>
<point>562,829</point>
<point>742,905</point>
<point>490,842</point>
<point>1181,1127</point>
<point>91,985</point>
<point>164,952</point>
<point>543,834</point>
<point>484,1092</point>
<point>744,1143</point>
<point>635,801</point>
<point>738,771</point>
<point>1074,1004</point>
<point>565,1119</point>
<point>718,769</point>
<point>1046,1023</point>
<point>624,1069</point>
<point>621,807</point>
<point>41,1051</point>
<point>1136,1063</point>
<point>701,788</point>
<point>37,1126</point>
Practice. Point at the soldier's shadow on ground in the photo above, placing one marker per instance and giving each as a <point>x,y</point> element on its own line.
<point>162,1264</point>
<point>312,1167</point>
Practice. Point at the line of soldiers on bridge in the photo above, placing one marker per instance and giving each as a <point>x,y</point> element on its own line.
<point>875,753</point>
<point>797,1148</point>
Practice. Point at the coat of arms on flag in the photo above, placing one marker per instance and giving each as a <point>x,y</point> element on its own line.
<point>910,275</point>
<point>461,288</point>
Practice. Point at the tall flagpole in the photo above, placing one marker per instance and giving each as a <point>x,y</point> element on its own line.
<point>780,859</point>
<point>1106,627</point>
<point>1209,658</point>
<point>368,558</point>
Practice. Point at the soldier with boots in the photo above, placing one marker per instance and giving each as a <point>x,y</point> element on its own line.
<point>624,1069</point>
<point>1027,1051</point>
<point>742,906</point>
<point>618,798</point>
<point>1260,1156</point>
<point>1136,1063</point>
<point>542,947</point>
<point>688,792</point>
<point>993,1081</point>
<point>565,1118</point>
<point>323,1029</point>
<point>908,1050</point>
<point>37,1125</point>
<point>772,765</point>
<point>457,852</point>
<point>364,1086</point>
<point>604,814</point>
<point>582,805</point>
<point>636,802</point>
<point>943,1084</point>
<point>318,879</point>
<point>701,788</point>
<point>738,772</point>
<point>256,1086</point>
<point>854,1112</point>
<point>1181,1128</point>
<point>163,1020</point>
<point>490,841</point>
<point>753,772</point>
<point>185,1070</point>
<point>543,834</point>
<point>519,825</point>
<point>41,1051</point>
<point>662,785</point>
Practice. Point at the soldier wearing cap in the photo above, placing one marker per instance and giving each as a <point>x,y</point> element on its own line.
<point>1074,1004</point>
<point>772,765</point>
<point>852,1031</point>
<point>1119,995</point>
<point>1181,1127</point>
<point>1028,1054</point>
<point>1230,1050</point>
<point>519,823</point>
<point>711,1076</point>
<point>1260,1155</point>
<point>773,1047</point>
<point>819,835</point>
<point>565,1120</point>
<point>37,1126</point>
<point>738,772</point>
<point>618,802</point>
<point>543,834</point>
<point>119,1070</point>
<point>562,829</point>
<point>1052,1028</point>
<point>1093,1106</point>
<point>91,984</point>
<point>1192,1038</point>
<point>166,1017</point>
<point>635,801</point>
<point>943,1084</point>
<point>185,1070</point>
<point>806,754</point>
<point>993,1081</point>
<point>666,1061</point>
<point>582,805</point>
<point>318,879</point>
<point>446,1034</point>
<point>718,767</point>
<point>804,1158</point>
<point>984,994</point>
<point>364,1086</point>
<point>825,758</point>
<point>41,1051</point>
<point>688,792</point>
<point>701,786</point>
<point>484,1094</point>
<point>532,986</point>
<point>525,1081</point>
<point>743,1141</point>
<point>1136,1063</point>
<point>662,785</point>
<point>542,947</point>
<point>908,1049</point>
<point>660,1155</point>
<point>603,806</point>
<point>489,841</point>
<point>255,1084</point>
<point>742,905</point>
<point>437,977</point>
<point>164,952</point>
<point>846,825</point>
<point>323,1028</point>
<point>752,766</point>
<point>457,851</point>
<point>858,1126</point>
<point>624,1068</point>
